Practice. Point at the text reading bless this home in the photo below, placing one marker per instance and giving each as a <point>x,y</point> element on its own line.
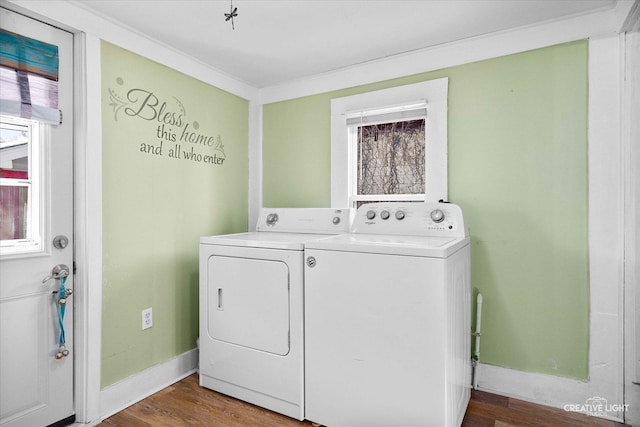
<point>172,136</point>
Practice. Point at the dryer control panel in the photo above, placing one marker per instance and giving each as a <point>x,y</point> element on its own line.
<point>305,220</point>
<point>411,219</point>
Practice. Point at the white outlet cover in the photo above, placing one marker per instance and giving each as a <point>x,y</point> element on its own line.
<point>147,318</point>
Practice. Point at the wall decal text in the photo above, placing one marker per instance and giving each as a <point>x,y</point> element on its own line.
<point>170,133</point>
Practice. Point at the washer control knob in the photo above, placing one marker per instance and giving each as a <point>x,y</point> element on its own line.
<point>336,220</point>
<point>437,215</point>
<point>371,214</point>
<point>384,215</point>
<point>400,215</point>
<point>272,218</point>
<point>311,261</point>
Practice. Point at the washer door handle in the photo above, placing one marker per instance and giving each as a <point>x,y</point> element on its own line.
<point>220,306</point>
<point>311,261</point>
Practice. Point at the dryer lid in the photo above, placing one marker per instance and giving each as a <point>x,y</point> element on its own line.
<point>260,239</point>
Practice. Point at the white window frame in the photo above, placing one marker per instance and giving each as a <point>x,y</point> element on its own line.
<point>36,224</point>
<point>434,92</point>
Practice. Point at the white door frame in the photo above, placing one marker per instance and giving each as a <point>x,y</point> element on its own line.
<point>631,146</point>
<point>88,226</point>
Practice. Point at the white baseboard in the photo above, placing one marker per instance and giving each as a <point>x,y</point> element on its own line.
<point>543,389</point>
<point>133,389</point>
<point>528,386</point>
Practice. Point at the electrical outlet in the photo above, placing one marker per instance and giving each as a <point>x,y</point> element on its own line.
<point>147,318</point>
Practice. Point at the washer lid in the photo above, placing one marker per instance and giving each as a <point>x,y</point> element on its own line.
<point>263,239</point>
<point>435,247</point>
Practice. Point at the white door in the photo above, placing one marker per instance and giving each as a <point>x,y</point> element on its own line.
<point>36,388</point>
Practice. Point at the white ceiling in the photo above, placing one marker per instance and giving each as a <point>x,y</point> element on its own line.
<point>277,41</point>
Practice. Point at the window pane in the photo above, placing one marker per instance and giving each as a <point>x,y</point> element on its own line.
<point>14,151</point>
<point>20,228</point>
<point>13,212</point>
<point>391,158</point>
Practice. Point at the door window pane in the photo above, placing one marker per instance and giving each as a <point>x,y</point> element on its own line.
<point>13,212</point>
<point>20,228</point>
<point>14,151</point>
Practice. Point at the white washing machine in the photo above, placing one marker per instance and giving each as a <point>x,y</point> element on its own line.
<point>387,319</point>
<point>251,307</point>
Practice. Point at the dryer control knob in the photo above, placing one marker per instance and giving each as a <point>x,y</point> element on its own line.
<point>336,220</point>
<point>311,261</point>
<point>384,215</point>
<point>437,215</point>
<point>400,215</point>
<point>371,214</point>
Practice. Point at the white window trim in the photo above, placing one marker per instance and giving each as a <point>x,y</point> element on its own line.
<point>435,93</point>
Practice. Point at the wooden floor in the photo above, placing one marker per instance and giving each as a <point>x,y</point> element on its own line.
<point>187,404</point>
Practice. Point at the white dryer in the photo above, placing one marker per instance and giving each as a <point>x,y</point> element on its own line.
<point>387,319</point>
<point>251,307</point>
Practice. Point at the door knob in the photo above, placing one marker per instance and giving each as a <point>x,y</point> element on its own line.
<point>60,242</point>
<point>58,272</point>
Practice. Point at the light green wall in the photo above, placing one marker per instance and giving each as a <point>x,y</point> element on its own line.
<point>517,167</point>
<point>156,207</point>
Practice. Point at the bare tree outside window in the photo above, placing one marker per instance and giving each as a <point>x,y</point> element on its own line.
<point>381,150</point>
<point>391,158</point>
